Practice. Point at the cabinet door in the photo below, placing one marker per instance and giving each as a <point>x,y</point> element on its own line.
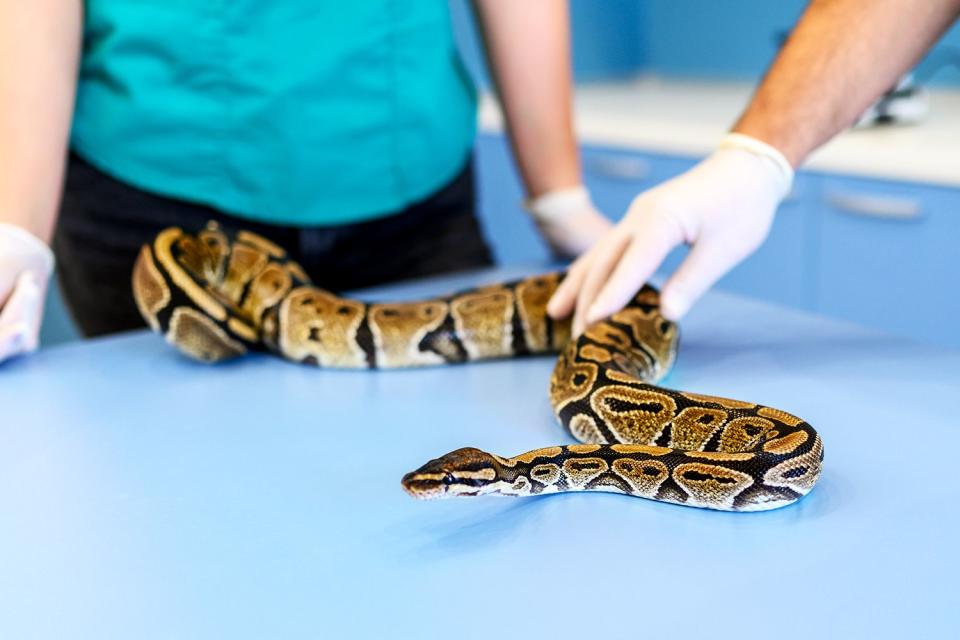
<point>613,176</point>
<point>616,176</point>
<point>777,272</point>
<point>889,257</point>
<point>780,270</point>
<point>57,325</point>
<point>508,228</point>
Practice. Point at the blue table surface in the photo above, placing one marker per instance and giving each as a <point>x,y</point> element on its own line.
<point>146,496</point>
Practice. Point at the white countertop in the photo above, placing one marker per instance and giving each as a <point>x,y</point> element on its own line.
<point>689,118</point>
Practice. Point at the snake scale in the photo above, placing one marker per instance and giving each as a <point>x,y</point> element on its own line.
<point>216,295</point>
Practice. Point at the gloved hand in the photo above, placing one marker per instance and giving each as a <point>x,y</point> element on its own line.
<point>26,264</point>
<point>723,207</point>
<point>568,221</point>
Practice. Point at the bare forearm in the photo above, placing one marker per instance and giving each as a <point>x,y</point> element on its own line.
<point>528,45</point>
<point>842,55</point>
<point>39,45</point>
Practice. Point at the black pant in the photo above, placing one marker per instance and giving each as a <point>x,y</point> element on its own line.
<point>104,222</point>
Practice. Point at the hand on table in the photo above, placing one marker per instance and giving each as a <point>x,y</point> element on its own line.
<point>26,264</point>
<point>723,207</point>
<point>568,221</point>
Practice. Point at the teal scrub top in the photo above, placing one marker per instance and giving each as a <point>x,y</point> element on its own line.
<point>317,112</point>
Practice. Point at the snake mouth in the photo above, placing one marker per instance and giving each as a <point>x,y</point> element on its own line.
<point>425,486</point>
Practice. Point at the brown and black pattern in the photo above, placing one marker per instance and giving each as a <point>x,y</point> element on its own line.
<point>216,296</point>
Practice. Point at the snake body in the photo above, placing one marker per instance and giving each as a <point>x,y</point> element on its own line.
<point>217,295</point>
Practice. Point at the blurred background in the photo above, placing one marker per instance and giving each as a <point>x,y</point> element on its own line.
<point>731,40</point>
<point>867,236</point>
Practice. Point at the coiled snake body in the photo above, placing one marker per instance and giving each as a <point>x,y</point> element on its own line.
<point>216,296</point>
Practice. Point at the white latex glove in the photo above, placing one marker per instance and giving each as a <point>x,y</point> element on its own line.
<point>723,207</point>
<point>26,264</point>
<point>568,221</point>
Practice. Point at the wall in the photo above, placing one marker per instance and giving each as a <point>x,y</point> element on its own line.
<point>732,39</point>
<point>705,39</point>
<point>736,39</point>
<point>607,39</point>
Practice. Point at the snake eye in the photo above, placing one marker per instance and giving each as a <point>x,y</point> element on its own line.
<point>448,479</point>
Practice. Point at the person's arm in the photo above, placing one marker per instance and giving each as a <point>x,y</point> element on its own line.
<point>528,47</point>
<point>842,55</point>
<point>39,49</point>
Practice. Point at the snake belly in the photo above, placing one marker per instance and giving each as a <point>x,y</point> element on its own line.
<point>217,295</point>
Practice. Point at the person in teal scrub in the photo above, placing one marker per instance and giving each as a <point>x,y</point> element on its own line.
<point>342,131</point>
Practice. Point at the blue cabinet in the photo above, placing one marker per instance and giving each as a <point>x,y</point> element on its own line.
<point>779,270</point>
<point>57,325</point>
<point>877,253</point>
<point>509,230</point>
<point>888,257</point>
<point>775,272</point>
<point>615,177</point>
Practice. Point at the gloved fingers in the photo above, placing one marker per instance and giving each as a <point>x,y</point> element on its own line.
<point>646,253</point>
<point>606,255</point>
<point>562,301</point>
<point>707,262</point>
<point>20,317</point>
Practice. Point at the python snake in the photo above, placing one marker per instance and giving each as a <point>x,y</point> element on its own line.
<point>216,295</point>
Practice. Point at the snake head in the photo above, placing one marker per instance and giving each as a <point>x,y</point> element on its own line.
<point>464,472</point>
